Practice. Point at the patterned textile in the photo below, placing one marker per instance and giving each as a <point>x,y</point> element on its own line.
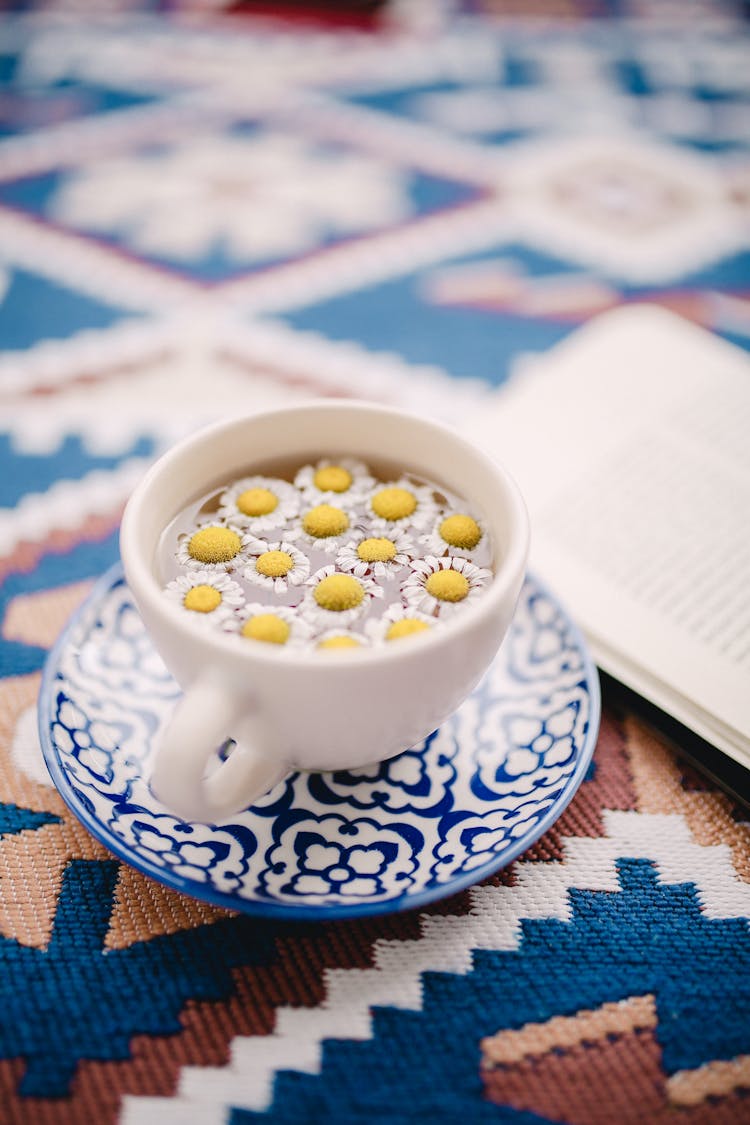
<point>203,217</point>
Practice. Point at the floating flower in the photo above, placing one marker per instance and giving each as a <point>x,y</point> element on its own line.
<point>276,625</point>
<point>455,534</point>
<point>399,621</point>
<point>330,481</point>
<point>276,566</point>
<point>379,556</point>
<point>259,503</point>
<point>335,599</point>
<point>323,527</point>
<point>337,639</point>
<point>206,597</point>
<point>443,584</point>
<point>402,505</point>
<point>212,546</point>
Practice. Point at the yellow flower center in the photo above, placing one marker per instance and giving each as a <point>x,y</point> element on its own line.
<point>202,599</point>
<point>274,564</point>
<point>461,531</point>
<point>257,502</point>
<point>333,478</point>
<point>376,550</point>
<point>339,642</point>
<point>324,521</point>
<point>447,586</point>
<point>267,627</point>
<point>214,545</point>
<point>338,592</point>
<point>393,503</point>
<point>406,627</point>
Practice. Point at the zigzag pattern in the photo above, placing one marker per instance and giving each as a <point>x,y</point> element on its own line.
<point>449,944</point>
<point>66,504</point>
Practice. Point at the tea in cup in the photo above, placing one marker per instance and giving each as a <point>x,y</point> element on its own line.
<point>326,582</point>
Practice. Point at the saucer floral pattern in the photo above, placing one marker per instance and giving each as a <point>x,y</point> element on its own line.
<point>542,741</point>
<point>537,645</point>
<point>186,850</point>
<point>118,653</point>
<point>471,797</point>
<point>421,778</point>
<point>343,859</point>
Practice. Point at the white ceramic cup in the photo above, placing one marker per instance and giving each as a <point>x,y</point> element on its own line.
<point>288,708</point>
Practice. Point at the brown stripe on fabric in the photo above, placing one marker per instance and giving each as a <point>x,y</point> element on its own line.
<point>88,379</point>
<point>506,876</point>
<point>26,555</point>
<point>36,619</point>
<point>657,778</point>
<point>617,1081</point>
<point>32,862</point>
<point>143,909</point>
<point>586,1026</point>
<point>722,1076</point>
<point>295,379</point>
<point>611,787</point>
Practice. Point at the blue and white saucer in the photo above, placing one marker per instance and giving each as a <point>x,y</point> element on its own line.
<point>441,816</point>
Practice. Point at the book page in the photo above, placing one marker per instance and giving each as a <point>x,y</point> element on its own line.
<point>631,444</point>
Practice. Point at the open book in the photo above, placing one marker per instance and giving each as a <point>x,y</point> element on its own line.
<point>631,444</point>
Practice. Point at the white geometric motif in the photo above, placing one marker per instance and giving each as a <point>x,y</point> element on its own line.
<point>252,197</point>
<point>635,209</point>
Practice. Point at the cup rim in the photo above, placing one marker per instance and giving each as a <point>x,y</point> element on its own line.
<point>146,589</point>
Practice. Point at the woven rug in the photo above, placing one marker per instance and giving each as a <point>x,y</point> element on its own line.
<point>437,191</point>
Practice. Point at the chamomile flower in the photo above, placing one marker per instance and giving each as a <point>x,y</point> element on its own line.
<point>259,503</point>
<point>401,505</point>
<point>376,556</point>
<point>330,481</point>
<point>337,639</point>
<point>399,621</point>
<point>206,598</point>
<point>444,584</point>
<point>271,624</point>
<point>213,546</point>
<point>324,527</point>
<point>455,534</point>
<point>276,566</point>
<point>334,600</point>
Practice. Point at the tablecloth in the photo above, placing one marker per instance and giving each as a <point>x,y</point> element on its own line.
<point>203,213</point>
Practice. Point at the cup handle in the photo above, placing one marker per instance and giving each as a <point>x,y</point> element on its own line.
<point>201,721</point>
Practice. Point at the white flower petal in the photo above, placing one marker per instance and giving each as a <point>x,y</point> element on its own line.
<point>348,558</point>
<point>287,506</point>
<point>230,593</point>
<point>361,484</point>
<point>184,558</point>
<point>436,545</point>
<point>415,593</point>
<point>298,573</point>
<point>425,513</point>
<point>377,629</point>
<point>299,628</point>
<point>322,619</point>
